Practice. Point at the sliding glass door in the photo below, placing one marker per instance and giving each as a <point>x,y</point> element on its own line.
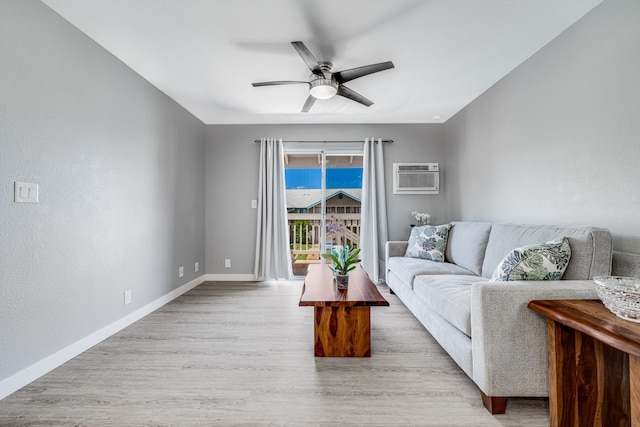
<point>324,196</point>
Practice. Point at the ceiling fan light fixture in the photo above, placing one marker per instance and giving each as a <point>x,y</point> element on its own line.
<point>323,88</point>
<point>323,84</point>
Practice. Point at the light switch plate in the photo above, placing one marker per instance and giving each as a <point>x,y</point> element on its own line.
<point>25,192</point>
<point>254,204</point>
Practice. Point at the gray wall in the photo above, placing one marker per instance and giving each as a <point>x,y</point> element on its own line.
<point>121,174</point>
<point>232,181</point>
<point>558,140</point>
<point>121,169</point>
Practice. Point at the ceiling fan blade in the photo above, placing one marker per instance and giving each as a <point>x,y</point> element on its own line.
<point>308,58</point>
<point>353,73</point>
<point>277,83</point>
<point>308,104</point>
<point>354,96</point>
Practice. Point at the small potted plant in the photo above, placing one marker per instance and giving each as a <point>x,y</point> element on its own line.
<point>342,264</point>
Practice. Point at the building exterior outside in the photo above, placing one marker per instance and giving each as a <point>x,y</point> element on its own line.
<point>304,215</point>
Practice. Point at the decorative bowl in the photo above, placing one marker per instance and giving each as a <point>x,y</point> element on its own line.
<point>621,295</point>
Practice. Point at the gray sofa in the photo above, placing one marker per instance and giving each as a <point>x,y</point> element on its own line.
<point>486,326</point>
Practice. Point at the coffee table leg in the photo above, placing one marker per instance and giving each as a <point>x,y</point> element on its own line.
<point>342,331</point>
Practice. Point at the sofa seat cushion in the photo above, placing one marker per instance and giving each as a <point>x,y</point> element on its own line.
<point>449,296</point>
<point>408,268</point>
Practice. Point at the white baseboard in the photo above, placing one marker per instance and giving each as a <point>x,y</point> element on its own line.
<point>35,371</point>
<point>230,278</point>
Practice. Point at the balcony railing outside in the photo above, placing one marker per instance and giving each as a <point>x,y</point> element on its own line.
<point>305,231</point>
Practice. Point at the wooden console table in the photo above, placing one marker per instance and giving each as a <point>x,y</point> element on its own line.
<point>342,318</point>
<point>594,364</point>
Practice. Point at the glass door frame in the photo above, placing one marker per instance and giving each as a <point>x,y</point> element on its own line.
<point>324,150</point>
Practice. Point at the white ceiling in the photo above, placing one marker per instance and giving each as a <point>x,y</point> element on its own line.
<point>206,53</point>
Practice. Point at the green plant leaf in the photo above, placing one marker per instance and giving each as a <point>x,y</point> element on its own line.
<point>332,257</point>
<point>353,258</point>
<point>343,264</point>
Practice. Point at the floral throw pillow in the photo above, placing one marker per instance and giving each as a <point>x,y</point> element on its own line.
<point>547,261</point>
<point>428,242</point>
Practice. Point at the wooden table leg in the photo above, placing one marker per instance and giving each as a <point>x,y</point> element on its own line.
<point>588,380</point>
<point>634,385</point>
<point>342,331</point>
<point>562,378</point>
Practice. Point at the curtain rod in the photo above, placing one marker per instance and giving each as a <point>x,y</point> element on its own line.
<point>384,140</point>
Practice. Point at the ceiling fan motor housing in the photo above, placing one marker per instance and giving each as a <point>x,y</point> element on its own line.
<point>322,88</point>
<point>326,86</point>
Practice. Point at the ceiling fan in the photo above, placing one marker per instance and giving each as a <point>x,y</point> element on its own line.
<point>323,84</point>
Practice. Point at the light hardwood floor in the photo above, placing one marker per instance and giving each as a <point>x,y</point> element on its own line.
<point>242,354</point>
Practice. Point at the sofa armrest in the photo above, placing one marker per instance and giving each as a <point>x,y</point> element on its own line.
<point>395,248</point>
<point>509,341</point>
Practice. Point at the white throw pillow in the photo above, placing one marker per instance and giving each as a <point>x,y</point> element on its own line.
<point>546,261</point>
<point>428,242</point>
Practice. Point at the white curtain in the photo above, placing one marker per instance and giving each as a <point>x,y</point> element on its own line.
<point>373,232</point>
<point>272,240</point>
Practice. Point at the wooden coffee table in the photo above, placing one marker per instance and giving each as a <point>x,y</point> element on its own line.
<point>342,326</point>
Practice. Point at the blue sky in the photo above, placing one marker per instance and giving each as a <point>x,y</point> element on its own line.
<point>301,178</point>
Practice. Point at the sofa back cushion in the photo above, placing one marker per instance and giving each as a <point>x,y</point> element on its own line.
<point>467,245</point>
<point>590,247</point>
<point>625,264</point>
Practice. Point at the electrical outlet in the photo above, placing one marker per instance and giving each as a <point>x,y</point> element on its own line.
<point>127,297</point>
<point>227,263</point>
<point>181,272</point>
<point>196,267</point>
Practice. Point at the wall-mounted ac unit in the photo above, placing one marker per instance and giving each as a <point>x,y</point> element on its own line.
<point>416,178</point>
